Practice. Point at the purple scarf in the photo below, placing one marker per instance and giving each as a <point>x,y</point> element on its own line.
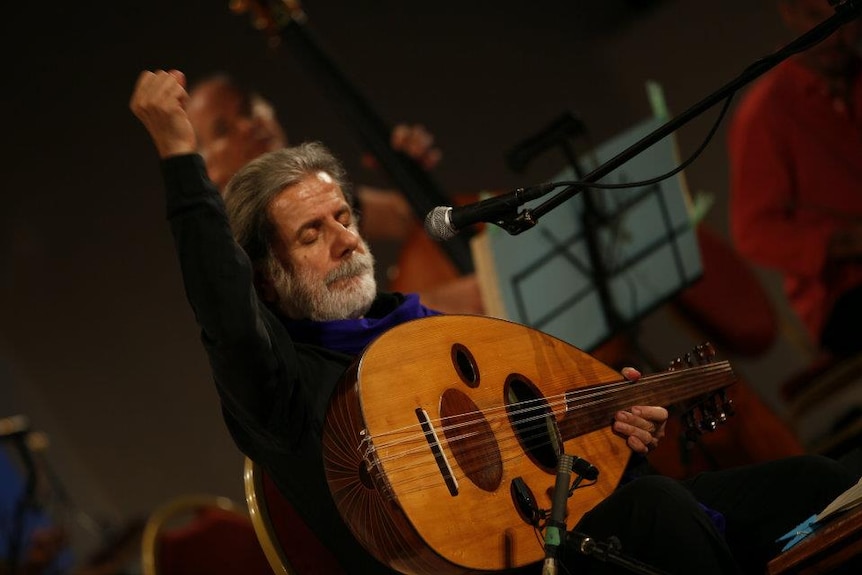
<point>351,336</point>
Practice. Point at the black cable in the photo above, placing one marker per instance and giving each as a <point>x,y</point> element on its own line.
<point>673,172</point>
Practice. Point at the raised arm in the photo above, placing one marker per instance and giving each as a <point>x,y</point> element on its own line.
<point>159,102</point>
<point>237,332</point>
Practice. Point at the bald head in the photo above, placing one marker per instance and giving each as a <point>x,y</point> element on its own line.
<point>233,126</point>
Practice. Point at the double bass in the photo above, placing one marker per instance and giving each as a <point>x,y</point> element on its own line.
<point>423,263</point>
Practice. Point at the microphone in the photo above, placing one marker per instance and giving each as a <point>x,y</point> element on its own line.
<point>14,426</point>
<point>444,222</point>
<point>584,469</point>
<point>553,535</point>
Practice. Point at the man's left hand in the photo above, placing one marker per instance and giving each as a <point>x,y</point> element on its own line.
<point>642,426</point>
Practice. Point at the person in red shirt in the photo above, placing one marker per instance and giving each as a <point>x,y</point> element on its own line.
<point>795,147</point>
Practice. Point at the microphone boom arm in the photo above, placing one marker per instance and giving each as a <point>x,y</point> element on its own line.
<point>845,11</point>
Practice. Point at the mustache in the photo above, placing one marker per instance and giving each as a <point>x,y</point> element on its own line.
<point>359,264</point>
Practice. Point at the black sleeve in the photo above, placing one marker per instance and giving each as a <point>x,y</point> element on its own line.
<point>254,364</point>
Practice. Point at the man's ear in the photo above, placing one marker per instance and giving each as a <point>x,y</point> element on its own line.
<point>264,285</point>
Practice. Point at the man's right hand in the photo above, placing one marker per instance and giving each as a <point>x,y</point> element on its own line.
<point>159,102</point>
<point>418,143</point>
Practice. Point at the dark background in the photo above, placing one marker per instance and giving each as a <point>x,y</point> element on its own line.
<point>97,344</point>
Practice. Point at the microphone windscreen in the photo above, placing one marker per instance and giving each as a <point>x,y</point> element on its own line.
<point>437,224</point>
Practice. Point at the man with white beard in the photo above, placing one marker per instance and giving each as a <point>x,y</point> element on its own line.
<point>282,287</point>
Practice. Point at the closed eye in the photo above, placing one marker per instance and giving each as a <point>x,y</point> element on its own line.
<point>345,217</point>
<point>310,233</point>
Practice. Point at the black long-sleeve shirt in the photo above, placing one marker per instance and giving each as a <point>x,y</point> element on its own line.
<point>274,391</point>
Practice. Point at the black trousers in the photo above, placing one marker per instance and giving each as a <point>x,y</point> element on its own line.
<point>661,522</point>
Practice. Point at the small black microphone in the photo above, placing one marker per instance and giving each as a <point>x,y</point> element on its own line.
<point>444,222</point>
<point>585,469</point>
<point>556,527</point>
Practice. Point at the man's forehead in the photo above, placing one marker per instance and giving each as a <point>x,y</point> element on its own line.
<point>217,85</point>
<point>213,95</point>
<point>313,190</point>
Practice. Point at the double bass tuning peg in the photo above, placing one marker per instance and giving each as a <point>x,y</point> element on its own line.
<point>270,17</point>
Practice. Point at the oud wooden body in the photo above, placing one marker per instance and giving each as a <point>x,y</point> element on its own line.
<point>402,510</point>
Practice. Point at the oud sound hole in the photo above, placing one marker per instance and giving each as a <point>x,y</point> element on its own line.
<point>465,365</point>
<point>471,440</point>
<point>533,422</point>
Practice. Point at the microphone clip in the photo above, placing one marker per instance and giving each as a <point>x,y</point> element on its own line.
<point>444,222</point>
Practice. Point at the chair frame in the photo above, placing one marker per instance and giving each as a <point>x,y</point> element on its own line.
<point>255,499</point>
<point>159,518</point>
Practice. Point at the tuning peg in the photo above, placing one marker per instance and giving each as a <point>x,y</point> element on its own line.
<point>704,352</point>
<point>726,402</point>
<point>675,364</point>
<point>719,409</point>
<point>691,426</point>
<point>689,359</point>
<point>708,419</point>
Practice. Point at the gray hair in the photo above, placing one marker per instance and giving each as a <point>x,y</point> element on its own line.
<point>251,190</point>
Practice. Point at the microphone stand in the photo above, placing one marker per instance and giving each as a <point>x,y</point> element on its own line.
<point>609,552</point>
<point>845,11</point>
<point>586,545</point>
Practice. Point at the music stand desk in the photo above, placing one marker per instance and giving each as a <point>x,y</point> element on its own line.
<point>829,547</point>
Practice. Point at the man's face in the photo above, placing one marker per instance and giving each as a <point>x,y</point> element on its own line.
<point>232,128</point>
<point>833,56</point>
<point>325,270</point>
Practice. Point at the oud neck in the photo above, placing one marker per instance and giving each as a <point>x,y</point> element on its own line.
<point>591,408</point>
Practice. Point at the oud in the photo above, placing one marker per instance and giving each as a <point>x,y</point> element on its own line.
<point>442,425</point>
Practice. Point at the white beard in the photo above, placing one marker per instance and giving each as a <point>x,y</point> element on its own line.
<point>301,296</point>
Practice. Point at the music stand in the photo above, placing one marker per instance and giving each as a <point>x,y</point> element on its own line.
<point>597,265</point>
